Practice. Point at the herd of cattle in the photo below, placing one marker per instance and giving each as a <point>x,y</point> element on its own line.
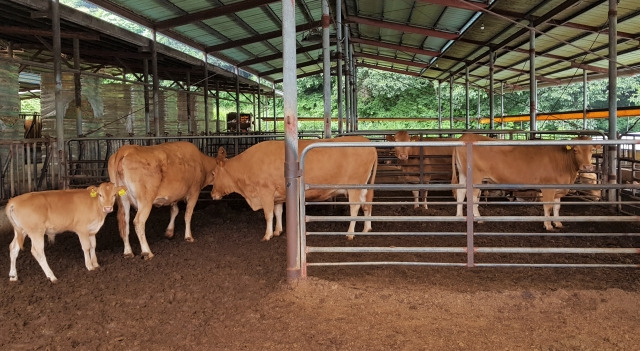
<point>162,175</point>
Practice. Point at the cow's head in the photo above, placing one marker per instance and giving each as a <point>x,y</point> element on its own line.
<point>106,194</point>
<point>582,154</point>
<point>217,191</point>
<point>402,152</point>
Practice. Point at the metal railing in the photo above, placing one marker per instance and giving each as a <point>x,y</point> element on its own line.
<point>442,239</point>
<point>27,165</point>
<point>88,157</point>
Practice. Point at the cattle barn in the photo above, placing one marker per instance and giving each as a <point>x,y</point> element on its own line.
<point>147,93</point>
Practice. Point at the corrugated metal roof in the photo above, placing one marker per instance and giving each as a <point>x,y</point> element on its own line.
<point>435,39</point>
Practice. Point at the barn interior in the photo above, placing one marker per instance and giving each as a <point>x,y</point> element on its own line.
<point>158,73</point>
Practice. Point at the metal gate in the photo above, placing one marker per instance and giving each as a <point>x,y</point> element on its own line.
<point>465,243</point>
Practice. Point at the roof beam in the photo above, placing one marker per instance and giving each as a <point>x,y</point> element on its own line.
<point>557,23</point>
<point>403,28</point>
<point>409,73</point>
<point>390,59</point>
<point>495,47</point>
<point>589,67</point>
<point>210,13</point>
<point>110,6</point>
<point>300,65</point>
<point>460,4</point>
<point>395,47</point>
<point>278,55</point>
<point>47,33</point>
<point>258,38</point>
<point>540,78</point>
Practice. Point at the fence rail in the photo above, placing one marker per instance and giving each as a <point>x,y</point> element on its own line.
<point>464,243</point>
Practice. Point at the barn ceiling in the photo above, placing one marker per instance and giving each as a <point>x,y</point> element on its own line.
<point>434,39</point>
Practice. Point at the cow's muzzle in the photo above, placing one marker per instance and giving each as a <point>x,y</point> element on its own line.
<point>107,209</point>
<point>588,168</point>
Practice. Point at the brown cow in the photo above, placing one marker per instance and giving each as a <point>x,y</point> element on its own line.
<point>522,165</point>
<point>258,175</point>
<point>436,162</point>
<point>55,211</point>
<point>158,175</point>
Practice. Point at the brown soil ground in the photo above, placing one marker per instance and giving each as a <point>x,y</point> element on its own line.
<point>228,291</point>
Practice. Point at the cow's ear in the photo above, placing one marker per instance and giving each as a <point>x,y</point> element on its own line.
<point>222,154</point>
<point>93,191</point>
<point>390,137</point>
<point>568,147</point>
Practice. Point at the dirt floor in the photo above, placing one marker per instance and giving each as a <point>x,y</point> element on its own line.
<point>228,291</point>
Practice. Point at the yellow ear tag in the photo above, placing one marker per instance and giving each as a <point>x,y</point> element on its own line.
<point>122,192</point>
<point>93,193</point>
<point>568,147</point>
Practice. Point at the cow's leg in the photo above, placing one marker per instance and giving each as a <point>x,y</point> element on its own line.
<point>124,207</point>
<point>188,213</point>
<point>460,194</point>
<point>547,196</point>
<point>85,242</point>
<point>172,221</point>
<point>278,213</point>
<point>37,250</point>
<point>425,192</point>
<point>476,203</point>
<point>268,216</point>
<point>416,198</point>
<point>355,197</point>
<point>92,252</point>
<point>367,195</point>
<point>14,250</point>
<point>139,223</point>
<point>556,212</point>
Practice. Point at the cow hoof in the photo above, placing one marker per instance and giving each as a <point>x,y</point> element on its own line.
<point>168,235</point>
<point>265,239</point>
<point>54,280</point>
<point>350,237</point>
<point>276,233</point>
<point>128,255</point>
<point>13,279</point>
<point>189,239</point>
<point>147,256</point>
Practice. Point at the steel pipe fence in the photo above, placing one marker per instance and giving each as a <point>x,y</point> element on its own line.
<point>32,164</point>
<point>463,243</point>
<point>88,157</point>
<point>27,165</point>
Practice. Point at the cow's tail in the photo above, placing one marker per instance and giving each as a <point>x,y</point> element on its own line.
<point>19,231</point>
<point>372,180</point>
<point>116,177</point>
<point>454,174</point>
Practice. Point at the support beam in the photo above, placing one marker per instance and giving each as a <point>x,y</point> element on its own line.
<point>403,28</point>
<point>48,33</point>
<point>382,44</point>
<point>533,88</point>
<point>277,56</point>
<point>296,265</point>
<point>390,59</point>
<point>210,13</point>
<point>326,68</point>
<point>259,38</point>
<point>460,4</point>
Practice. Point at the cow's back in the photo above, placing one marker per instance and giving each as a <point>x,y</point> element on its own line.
<point>167,171</point>
<point>338,165</point>
<point>60,210</point>
<point>526,164</point>
<point>261,167</point>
